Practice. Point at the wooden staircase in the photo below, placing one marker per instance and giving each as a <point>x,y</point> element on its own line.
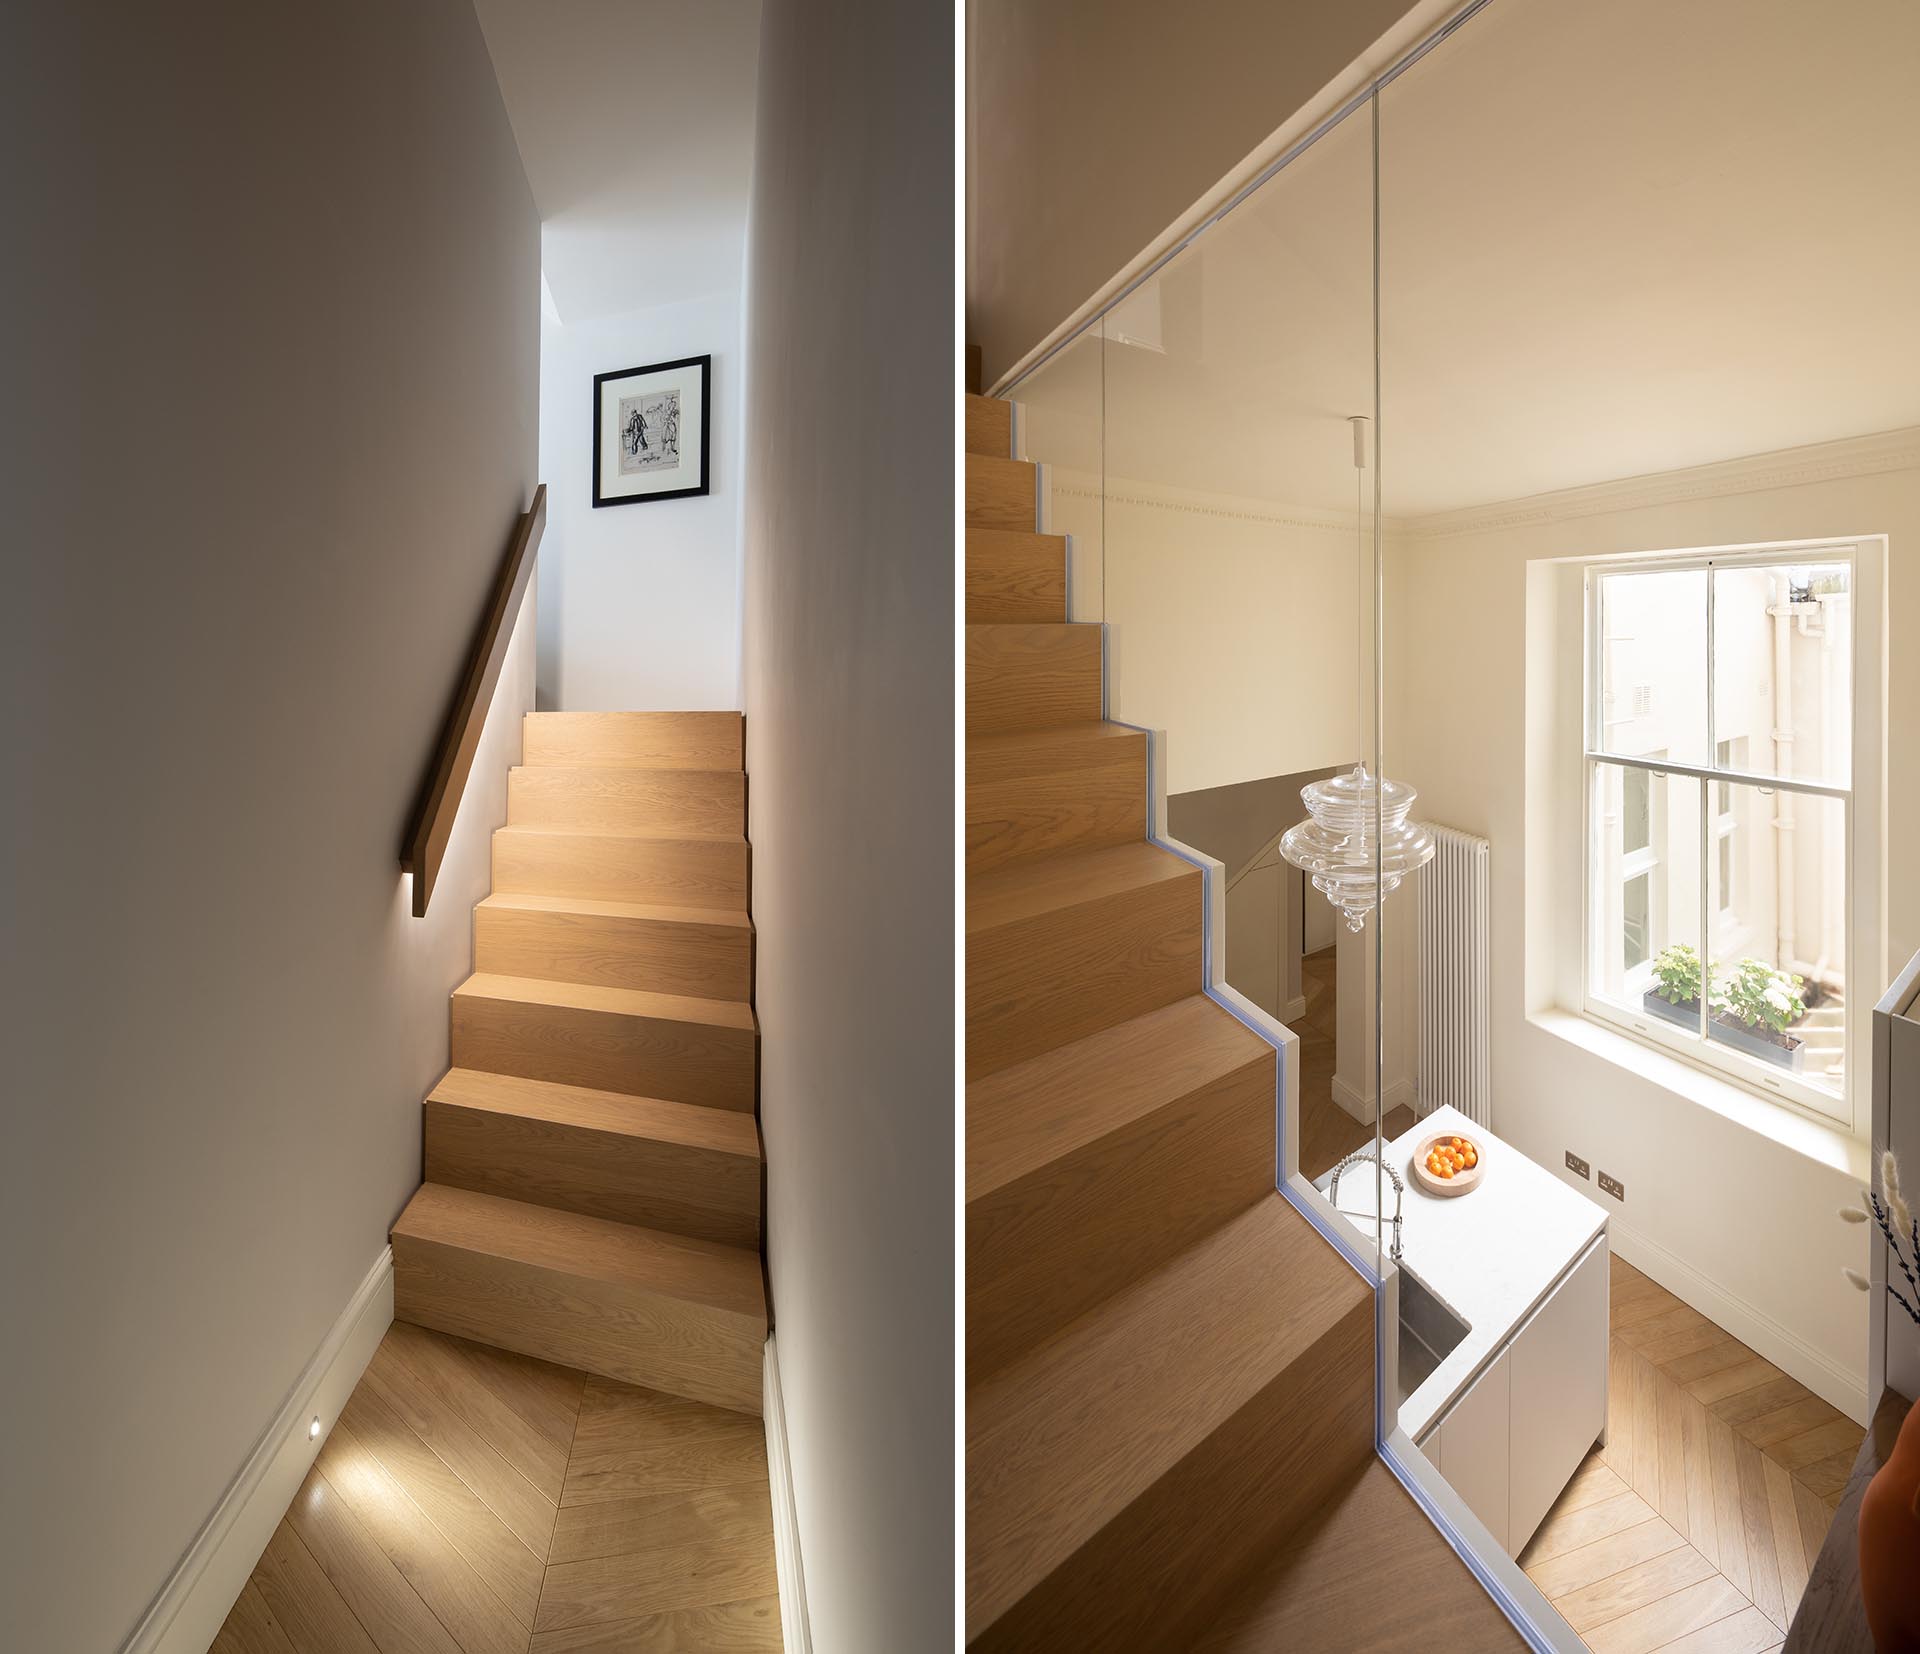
<point>593,1166</point>
<point>1170,1375</point>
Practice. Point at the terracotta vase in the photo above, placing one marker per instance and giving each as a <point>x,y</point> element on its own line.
<point>1890,1546</point>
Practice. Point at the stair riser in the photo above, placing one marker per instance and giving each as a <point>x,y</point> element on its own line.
<point>694,802</point>
<point>1077,805</point>
<point>666,1186</point>
<point>1051,1246</point>
<point>1154,1574</point>
<point>989,427</point>
<point>1018,578</point>
<point>1057,977</point>
<point>666,956</point>
<point>655,740</point>
<point>665,872</point>
<point>1002,493</point>
<point>1031,677</point>
<point>619,1331</point>
<point>642,1056</point>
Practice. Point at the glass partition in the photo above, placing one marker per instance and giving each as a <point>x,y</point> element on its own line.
<point>1210,456</point>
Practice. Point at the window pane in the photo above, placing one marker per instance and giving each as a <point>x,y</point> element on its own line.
<point>1636,810</point>
<point>1783,669</point>
<point>1779,954</point>
<point>1653,664</point>
<point>1643,889</point>
<point>1635,904</point>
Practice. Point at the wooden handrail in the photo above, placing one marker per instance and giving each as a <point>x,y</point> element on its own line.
<point>432,822</point>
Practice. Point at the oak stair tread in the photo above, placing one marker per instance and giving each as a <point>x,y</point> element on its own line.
<point>1022,1118</point>
<point>635,740</point>
<point>1328,1576</point>
<point>524,902</point>
<point>582,996</point>
<point>1063,1439</point>
<point>688,1125</point>
<point>725,1279</point>
<point>1016,750</point>
<point>671,835</point>
<point>1066,878</point>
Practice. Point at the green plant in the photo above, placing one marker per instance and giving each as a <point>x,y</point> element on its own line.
<point>1755,992</point>
<point>1676,971</point>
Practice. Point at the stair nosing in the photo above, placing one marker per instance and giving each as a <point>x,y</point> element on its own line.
<point>676,837</point>
<point>657,1007</point>
<point>607,1240</point>
<point>597,907</point>
<point>714,1125</point>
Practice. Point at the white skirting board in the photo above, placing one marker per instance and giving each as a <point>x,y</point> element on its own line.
<point>1399,1094</point>
<point>192,1606</point>
<point>795,1632</point>
<point>1763,1335</point>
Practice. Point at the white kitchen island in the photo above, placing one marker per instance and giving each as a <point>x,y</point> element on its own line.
<point>1518,1397</point>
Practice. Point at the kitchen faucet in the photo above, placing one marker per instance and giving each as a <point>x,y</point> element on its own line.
<point>1399,1188</point>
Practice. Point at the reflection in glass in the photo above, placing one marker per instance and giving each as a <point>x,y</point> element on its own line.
<point>1644,892</point>
<point>1652,658</point>
<point>1783,669</point>
<point>1777,962</point>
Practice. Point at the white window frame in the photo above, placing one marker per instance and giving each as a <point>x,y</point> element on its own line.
<point>1762,1079</point>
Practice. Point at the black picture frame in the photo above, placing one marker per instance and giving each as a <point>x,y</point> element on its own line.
<point>704,364</point>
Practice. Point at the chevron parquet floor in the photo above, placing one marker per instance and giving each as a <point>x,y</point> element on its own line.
<point>1693,1529</point>
<point>471,1501</point>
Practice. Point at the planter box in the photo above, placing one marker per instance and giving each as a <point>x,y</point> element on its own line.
<point>1753,1042</point>
<point>1685,1014</point>
<point>1757,1042</point>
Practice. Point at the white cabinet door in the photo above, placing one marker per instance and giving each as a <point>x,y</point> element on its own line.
<point>1559,1391</point>
<point>1470,1448</point>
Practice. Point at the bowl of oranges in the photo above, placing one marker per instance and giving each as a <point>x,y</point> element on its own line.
<point>1447,1164</point>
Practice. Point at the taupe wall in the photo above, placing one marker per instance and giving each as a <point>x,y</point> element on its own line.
<point>272,281</point>
<point>1093,124</point>
<point>848,673</point>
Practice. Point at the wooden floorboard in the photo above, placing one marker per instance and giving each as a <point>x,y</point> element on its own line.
<point>1695,1527</point>
<point>473,1501</point>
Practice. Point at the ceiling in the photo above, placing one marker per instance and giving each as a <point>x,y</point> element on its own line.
<point>1615,240</point>
<point>635,125</point>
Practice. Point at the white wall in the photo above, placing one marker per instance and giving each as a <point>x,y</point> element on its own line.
<point>1738,1220</point>
<point>639,604</point>
<point>848,652</point>
<point>1232,622</point>
<point>269,418</point>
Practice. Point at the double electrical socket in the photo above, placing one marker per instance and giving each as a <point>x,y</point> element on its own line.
<point>1608,1185</point>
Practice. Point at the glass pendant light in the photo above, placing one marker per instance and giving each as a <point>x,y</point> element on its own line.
<point>1357,842</point>
<point>1337,847</point>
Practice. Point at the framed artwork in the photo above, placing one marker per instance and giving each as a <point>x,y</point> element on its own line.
<point>650,432</point>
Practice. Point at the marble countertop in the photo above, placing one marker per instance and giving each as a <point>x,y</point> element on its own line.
<point>1489,1255</point>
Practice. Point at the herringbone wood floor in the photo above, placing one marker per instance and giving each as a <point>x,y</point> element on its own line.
<point>471,1501</point>
<point>1692,1530</point>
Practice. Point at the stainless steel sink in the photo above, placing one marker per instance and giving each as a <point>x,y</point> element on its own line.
<point>1429,1332</point>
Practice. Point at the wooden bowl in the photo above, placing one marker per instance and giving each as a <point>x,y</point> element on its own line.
<point>1460,1183</point>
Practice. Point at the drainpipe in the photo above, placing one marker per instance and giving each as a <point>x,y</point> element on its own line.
<point>1781,609</point>
<point>1833,732</point>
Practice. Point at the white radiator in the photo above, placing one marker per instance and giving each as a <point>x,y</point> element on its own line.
<point>1454,945</point>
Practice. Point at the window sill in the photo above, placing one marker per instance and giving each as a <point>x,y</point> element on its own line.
<point>1827,1145</point>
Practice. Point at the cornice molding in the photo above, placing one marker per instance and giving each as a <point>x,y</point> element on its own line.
<point>1229,507</point>
<point>1862,456</point>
